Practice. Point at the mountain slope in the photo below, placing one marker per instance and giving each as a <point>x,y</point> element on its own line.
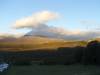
<point>34,42</point>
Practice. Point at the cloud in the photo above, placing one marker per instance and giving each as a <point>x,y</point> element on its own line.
<point>88,22</point>
<point>13,35</point>
<point>57,32</point>
<point>36,19</point>
<point>91,24</point>
<point>37,22</point>
<point>86,35</point>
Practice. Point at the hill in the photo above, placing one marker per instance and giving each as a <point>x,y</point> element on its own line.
<point>36,42</point>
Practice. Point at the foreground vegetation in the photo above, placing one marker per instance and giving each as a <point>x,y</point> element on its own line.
<point>78,60</point>
<point>75,69</point>
<point>62,55</point>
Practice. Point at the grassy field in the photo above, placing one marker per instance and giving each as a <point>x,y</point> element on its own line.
<point>13,46</point>
<point>54,70</point>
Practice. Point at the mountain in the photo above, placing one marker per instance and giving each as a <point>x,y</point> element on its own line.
<point>36,42</point>
<point>47,34</point>
<point>30,38</point>
<point>60,35</point>
<point>7,38</point>
<point>33,41</point>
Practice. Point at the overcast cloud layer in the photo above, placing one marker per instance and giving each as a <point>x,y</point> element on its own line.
<point>37,22</point>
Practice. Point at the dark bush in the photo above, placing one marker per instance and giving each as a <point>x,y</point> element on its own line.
<point>71,55</point>
<point>92,53</point>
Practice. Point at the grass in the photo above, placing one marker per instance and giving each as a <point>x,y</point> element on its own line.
<point>49,45</point>
<point>54,70</point>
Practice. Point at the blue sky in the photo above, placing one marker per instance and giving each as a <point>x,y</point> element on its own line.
<point>73,13</point>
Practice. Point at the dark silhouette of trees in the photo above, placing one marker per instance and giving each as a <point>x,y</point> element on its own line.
<point>92,53</point>
<point>63,55</point>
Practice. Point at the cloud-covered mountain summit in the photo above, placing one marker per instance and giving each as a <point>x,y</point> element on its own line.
<point>37,23</point>
<point>60,33</point>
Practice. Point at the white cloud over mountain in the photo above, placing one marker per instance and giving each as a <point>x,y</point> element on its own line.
<point>54,32</point>
<point>37,22</point>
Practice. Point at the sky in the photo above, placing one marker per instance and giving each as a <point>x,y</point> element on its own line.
<point>74,15</point>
